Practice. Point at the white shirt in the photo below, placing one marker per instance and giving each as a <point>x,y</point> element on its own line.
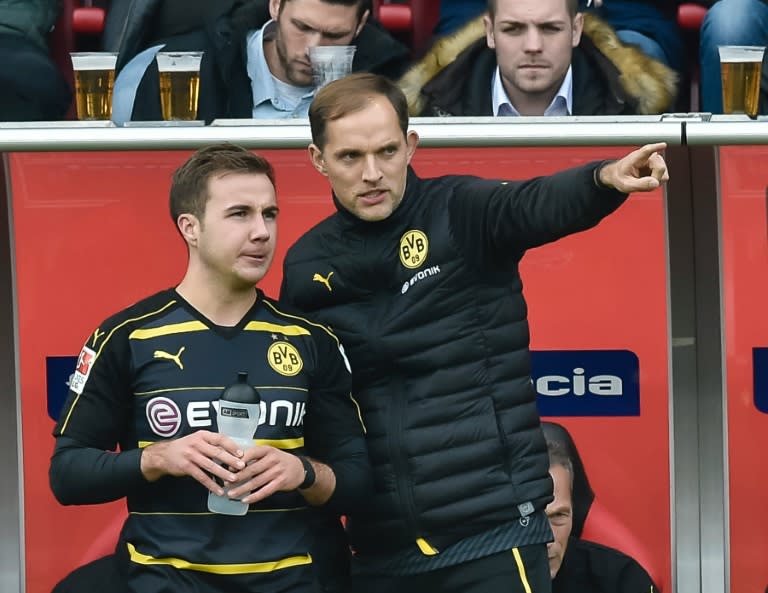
<point>562,104</point>
<point>272,98</point>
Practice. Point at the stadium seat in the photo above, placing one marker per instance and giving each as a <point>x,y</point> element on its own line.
<point>79,20</point>
<point>412,21</point>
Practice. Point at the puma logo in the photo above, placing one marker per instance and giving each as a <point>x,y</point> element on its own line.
<point>173,357</point>
<point>323,280</point>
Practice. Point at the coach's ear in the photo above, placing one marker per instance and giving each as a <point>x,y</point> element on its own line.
<point>316,156</point>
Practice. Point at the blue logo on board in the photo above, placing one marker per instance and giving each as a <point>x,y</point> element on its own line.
<point>760,375</point>
<point>586,382</point>
<point>58,370</point>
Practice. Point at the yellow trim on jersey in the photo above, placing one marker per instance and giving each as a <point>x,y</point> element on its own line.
<point>284,444</point>
<point>521,570</point>
<point>104,343</point>
<point>426,548</point>
<point>281,443</point>
<point>214,388</point>
<point>286,330</point>
<point>251,567</point>
<point>304,319</point>
<point>168,330</point>
<point>359,413</point>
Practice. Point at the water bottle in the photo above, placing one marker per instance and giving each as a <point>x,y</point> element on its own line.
<point>238,418</point>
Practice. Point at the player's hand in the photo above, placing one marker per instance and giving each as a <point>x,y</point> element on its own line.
<point>268,470</point>
<point>198,455</point>
<point>643,169</point>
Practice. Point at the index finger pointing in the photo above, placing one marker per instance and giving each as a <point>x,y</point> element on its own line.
<point>647,150</point>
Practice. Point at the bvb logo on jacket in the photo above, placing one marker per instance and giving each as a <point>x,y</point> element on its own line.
<point>414,247</point>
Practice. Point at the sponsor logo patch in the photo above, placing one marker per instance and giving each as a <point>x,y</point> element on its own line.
<point>164,416</point>
<point>82,370</point>
<point>586,382</point>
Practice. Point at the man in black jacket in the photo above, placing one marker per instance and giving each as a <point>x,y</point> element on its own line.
<point>420,279</point>
<point>537,58</point>
<point>256,60</point>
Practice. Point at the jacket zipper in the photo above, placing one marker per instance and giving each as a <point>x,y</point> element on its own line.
<point>400,464</point>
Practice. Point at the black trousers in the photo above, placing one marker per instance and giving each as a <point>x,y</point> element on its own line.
<point>520,570</point>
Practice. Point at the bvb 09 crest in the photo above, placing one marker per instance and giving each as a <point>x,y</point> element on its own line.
<point>414,247</point>
<point>284,359</point>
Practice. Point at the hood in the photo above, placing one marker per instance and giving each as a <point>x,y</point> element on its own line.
<point>651,84</point>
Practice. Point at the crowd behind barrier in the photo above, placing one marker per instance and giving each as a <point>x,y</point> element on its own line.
<point>99,24</point>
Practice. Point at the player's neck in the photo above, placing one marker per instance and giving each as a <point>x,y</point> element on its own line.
<point>223,305</point>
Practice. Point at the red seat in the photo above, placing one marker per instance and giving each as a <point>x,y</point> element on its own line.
<point>690,16</point>
<point>78,17</point>
<point>413,20</point>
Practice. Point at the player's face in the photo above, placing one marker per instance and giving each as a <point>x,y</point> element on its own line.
<point>534,41</point>
<point>302,24</point>
<point>366,159</point>
<point>236,237</point>
<point>560,515</point>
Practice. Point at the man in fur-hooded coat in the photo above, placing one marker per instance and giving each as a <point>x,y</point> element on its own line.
<point>608,78</point>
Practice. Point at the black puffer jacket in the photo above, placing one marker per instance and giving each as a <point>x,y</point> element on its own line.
<point>429,306</point>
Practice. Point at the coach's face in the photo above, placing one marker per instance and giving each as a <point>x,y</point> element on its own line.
<point>366,159</point>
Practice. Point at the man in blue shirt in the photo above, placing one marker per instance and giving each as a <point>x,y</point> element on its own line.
<point>256,62</point>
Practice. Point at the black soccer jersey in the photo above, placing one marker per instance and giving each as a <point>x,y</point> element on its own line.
<point>155,371</point>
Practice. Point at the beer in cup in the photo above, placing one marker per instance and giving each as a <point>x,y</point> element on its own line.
<point>94,79</point>
<point>330,62</point>
<point>740,67</point>
<point>179,84</point>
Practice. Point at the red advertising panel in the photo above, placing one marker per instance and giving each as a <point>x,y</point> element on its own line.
<point>93,234</point>
<point>745,293</point>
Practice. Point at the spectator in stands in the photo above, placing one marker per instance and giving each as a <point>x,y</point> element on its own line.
<point>256,63</point>
<point>576,565</point>
<point>651,25</point>
<point>33,88</point>
<point>730,22</point>
<point>534,60</point>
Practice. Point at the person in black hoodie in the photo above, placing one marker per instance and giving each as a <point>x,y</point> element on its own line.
<point>577,565</point>
<point>420,278</point>
<point>255,62</point>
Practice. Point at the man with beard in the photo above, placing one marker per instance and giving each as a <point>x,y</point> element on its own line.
<point>256,62</point>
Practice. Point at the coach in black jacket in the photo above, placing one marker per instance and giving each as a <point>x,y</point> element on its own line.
<point>419,278</point>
